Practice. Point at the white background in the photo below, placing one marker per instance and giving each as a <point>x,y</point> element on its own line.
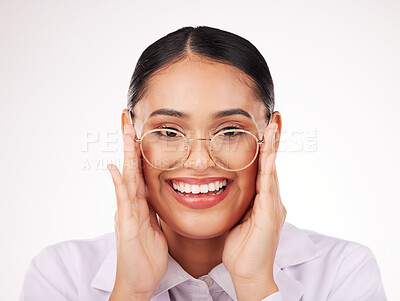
<point>64,75</point>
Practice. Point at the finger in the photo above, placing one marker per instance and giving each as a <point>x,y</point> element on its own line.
<point>123,201</point>
<point>268,205</point>
<point>265,170</point>
<point>134,164</point>
<point>141,185</point>
<point>266,184</point>
<point>269,138</point>
<point>153,218</point>
<point>130,173</point>
<point>277,211</point>
<point>116,221</point>
<point>281,208</point>
<point>116,227</point>
<point>116,224</point>
<point>267,148</point>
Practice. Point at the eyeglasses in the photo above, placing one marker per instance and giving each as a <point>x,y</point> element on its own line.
<point>168,149</point>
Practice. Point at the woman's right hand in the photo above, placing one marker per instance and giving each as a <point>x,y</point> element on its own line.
<point>142,249</point>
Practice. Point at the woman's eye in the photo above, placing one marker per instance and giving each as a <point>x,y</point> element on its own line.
<point>168,133</point>
<point>226,132</point>
<point>228,128</point>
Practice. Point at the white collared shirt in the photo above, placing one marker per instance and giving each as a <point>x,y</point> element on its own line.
<point>308,267</point>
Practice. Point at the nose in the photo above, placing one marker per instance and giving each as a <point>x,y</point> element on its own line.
<point>199,157</point>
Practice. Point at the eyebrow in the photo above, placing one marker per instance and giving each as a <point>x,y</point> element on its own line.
<point>230,112</point>
<point>220,114</point>
<point>169,112</point>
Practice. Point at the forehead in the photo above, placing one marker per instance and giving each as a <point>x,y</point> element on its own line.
<point>200,88</point>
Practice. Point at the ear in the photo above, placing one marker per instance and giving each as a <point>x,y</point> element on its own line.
<point>277,119</point>
<point>126,118</point>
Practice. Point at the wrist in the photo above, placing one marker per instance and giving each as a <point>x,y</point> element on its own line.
<point>254,290</point>
<point>118,295</point>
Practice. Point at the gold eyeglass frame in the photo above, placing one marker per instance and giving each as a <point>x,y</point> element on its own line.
<point>188,145</point>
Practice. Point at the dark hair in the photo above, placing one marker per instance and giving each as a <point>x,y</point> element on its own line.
<point>209,43</point>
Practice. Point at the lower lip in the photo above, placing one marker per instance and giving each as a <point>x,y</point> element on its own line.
<point>199,202</point>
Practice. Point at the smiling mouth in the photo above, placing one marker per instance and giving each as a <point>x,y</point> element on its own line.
<point>194,190</point>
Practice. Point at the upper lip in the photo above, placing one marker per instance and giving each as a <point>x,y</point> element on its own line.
<point>197,181</point>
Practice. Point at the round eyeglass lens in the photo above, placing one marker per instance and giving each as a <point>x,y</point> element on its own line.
<point>234,149</point>
<point>164,148</point>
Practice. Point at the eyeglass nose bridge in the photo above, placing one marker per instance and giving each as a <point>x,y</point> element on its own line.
<point>199,139</point>
<point>189,147</point>
<point>204,139</point>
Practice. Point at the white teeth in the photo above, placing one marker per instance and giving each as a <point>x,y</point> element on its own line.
<point>195,189</point>
<point>204,188</point>
<point>211,187</point>
<point>187,188</point>
<point>181,187</point>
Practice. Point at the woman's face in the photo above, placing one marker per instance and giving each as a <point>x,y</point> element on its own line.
<point>199,90</point>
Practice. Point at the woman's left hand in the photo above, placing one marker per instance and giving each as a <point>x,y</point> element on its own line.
<point>250,246</point>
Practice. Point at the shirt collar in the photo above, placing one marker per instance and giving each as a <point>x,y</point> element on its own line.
<point>294,247</point>
<point>174,276</point>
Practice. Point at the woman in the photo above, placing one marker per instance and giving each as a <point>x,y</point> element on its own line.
<point>199,210</point>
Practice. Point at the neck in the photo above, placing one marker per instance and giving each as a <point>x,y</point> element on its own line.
<point>196,256</point>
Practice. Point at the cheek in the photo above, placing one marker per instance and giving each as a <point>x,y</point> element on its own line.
<point>247,183</point>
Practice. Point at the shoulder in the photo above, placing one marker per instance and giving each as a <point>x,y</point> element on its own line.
<point>308,245</point>
<point>75,252</point>
<point>344,267</point>
<point>337,252</point>
<point>339,248</point>
<point>58,270</point>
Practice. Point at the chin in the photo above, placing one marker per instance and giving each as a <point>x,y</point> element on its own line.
<point>204,227</point>
<point>198,232</point>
